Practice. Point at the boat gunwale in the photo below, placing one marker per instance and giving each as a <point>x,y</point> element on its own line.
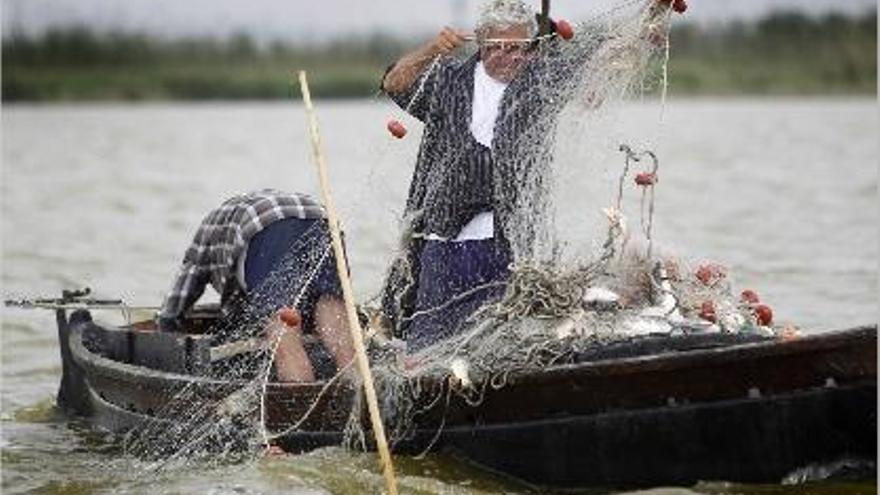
<point>93,362</point>
<point>668,360</point>
<point>715,356</point>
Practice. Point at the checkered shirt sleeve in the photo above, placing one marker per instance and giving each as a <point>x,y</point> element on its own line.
<point>221,239</point>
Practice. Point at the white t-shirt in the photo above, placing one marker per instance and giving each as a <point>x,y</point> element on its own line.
<point>487,98</point>
<point>484,112</point>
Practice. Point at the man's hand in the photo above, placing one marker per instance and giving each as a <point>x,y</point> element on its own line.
<point>446,42</point>
<point>679,6</point>
<point>410,66</point>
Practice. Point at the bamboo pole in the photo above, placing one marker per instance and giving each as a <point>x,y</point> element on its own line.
<point>544,28</point>
<point>354,324</point>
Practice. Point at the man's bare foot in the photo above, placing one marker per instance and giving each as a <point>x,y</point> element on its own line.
<point>274,451</point>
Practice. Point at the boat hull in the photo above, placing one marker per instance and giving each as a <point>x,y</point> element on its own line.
<point>748,412</point>
<point>744,440</point>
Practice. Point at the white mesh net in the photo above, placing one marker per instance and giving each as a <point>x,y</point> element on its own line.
<point>557,306</point>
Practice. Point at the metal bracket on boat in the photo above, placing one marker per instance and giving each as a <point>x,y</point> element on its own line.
<point>75,299</point>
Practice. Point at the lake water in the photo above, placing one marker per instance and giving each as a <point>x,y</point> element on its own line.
<point>784,192</point>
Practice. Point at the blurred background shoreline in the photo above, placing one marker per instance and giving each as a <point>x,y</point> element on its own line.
<point>782,53</point>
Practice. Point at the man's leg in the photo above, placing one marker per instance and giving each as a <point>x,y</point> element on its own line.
<point>272,280</point>
<point>331,324</point>
<point>455,279</point>
<point>292,364</point>
<point>320,304</point>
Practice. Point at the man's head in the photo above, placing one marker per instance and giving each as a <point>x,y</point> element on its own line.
<point>505,20</point>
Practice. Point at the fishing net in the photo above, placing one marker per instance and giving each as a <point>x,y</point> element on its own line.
<point>552,308</point>
<point>555,307</point>
<point>221,416</point>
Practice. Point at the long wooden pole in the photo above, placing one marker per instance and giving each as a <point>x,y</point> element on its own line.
<point>544,28</point>
<point>354,324</point>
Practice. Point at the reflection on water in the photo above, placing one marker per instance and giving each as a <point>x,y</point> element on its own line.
<point>107,196</point>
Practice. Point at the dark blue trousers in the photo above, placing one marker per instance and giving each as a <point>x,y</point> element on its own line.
<point>450,275</point>
<point>280,259</point>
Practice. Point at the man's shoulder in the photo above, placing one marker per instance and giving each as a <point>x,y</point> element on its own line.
<point>450,70</point>
<point>263,206</point>
<point>273,196</point>
<point>458,66</point>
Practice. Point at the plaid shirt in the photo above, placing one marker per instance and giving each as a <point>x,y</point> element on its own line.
<point>221,239</point>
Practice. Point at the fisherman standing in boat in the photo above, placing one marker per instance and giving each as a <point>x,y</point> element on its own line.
<point>262,252</point>
<point>455,247</point>
<point>490,122</point>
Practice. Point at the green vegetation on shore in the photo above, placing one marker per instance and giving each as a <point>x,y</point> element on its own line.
<point>785,53</point>
<point>76,64</point>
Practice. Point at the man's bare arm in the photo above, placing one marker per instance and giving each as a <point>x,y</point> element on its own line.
<point>408,68</point>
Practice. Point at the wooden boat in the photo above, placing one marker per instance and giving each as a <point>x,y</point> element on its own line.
<point>657,410</point>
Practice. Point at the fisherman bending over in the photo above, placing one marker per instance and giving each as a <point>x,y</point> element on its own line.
<point>250,249</point>
<point>489,128</point>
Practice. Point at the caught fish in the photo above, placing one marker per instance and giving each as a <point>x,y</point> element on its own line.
<point>665,304</point>
<point>459,368</point>
<point>600,298</point>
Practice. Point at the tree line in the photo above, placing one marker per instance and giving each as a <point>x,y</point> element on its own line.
<point>785,52</point>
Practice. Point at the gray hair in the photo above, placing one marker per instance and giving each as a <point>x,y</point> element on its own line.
<point>503,14</point>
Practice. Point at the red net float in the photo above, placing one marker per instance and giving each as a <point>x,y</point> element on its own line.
<point>749,296</point>
<point>707,311</point>
<point>763,314</point>
<point>679,6</point>
<point>564,29</point>
<point>290,317</point>
<point>710,273</point>
<point>396,128</point>
<point>645,179</point>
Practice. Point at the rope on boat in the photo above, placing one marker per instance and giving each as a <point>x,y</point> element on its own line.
<point>650,179</point>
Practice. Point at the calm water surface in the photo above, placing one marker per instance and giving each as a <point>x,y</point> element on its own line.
<point>782,192</point>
